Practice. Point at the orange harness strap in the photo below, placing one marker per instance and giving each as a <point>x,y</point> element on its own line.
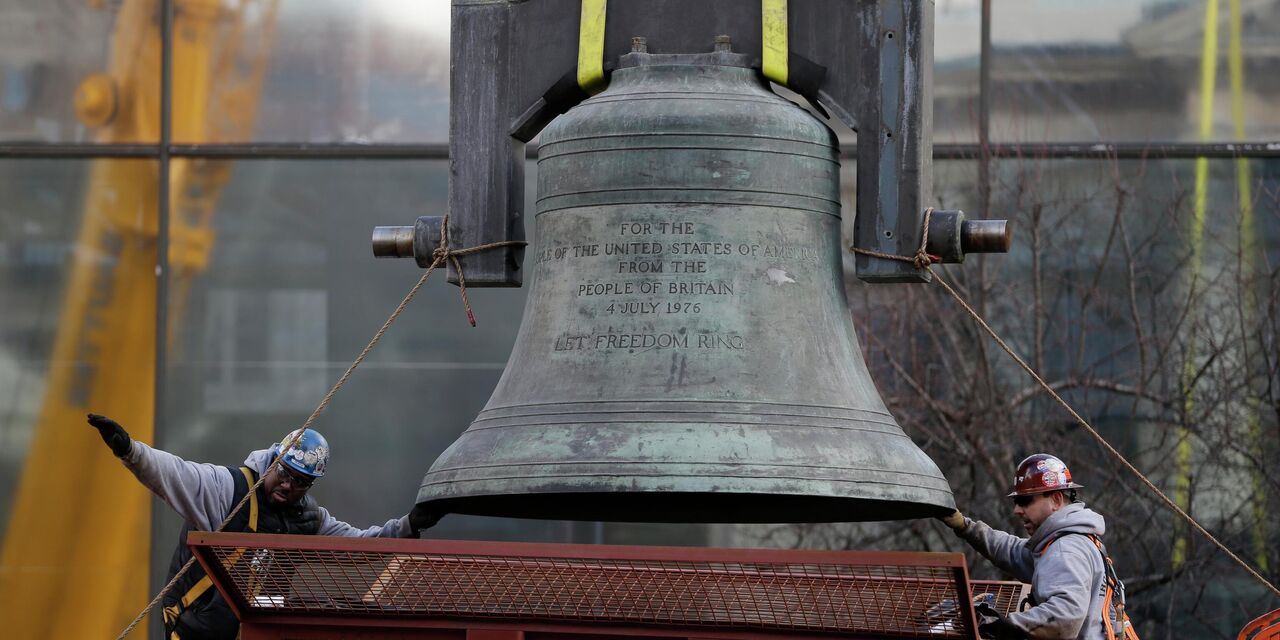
<point>1108,598</point>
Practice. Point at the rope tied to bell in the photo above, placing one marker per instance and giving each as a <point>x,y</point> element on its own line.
<point>922,259</point>
<point>443,253</point>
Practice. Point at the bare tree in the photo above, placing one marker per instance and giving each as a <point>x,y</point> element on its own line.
<point>1162,334</point>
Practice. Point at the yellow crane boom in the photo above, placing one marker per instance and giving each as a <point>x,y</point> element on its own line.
<point>76,549</point>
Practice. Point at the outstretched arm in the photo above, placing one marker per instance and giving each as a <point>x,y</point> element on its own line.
<point>199,492</point>
<point>1008,552</point>
<point>396,528</point>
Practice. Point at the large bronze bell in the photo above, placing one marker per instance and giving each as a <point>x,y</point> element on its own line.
<point>687,353</point>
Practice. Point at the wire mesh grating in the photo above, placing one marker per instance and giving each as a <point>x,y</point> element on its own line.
<point>885,599</point>
<point>1008,596</point>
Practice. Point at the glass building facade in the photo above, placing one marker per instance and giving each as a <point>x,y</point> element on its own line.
<point>1134,144</point>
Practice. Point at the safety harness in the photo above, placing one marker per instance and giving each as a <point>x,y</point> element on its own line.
<point>1113,599</point>
<point>197,590</point>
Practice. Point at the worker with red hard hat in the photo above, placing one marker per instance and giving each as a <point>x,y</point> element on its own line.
<point>1074,590</point>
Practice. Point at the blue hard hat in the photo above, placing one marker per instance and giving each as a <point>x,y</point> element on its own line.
<point>309,455</point>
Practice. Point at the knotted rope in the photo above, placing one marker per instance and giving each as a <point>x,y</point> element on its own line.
<point>443,253</point>
<point>440,255</point>
<point>922,260</point>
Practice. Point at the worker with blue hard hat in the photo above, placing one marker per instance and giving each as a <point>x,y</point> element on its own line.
<point>205,494</point>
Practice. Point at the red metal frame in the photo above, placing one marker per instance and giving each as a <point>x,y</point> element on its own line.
<point>324,587</point>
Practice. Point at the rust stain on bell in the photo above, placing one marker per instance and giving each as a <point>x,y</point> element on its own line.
<point>686,354</point>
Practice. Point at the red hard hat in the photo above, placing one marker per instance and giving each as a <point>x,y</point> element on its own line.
<point>1042,473</point>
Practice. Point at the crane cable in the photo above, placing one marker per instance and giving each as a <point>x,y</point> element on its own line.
<point>442,255</point>
<point>923,261</point>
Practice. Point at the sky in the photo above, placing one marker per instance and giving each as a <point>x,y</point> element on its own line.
<point>956,21</point>
<point>431,17</point>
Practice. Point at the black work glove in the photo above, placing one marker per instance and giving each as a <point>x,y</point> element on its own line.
<point>113,434</point>
<point>421,518</point>
<point>306,519</point>
<point>995,626</point>
<point>1000,629</point>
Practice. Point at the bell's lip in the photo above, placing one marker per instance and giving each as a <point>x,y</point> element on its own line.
<point>1032,492</point>
<point>683,507</point>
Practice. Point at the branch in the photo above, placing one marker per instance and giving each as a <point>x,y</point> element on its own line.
<point>1074,383</point>
<point>1133,586</point>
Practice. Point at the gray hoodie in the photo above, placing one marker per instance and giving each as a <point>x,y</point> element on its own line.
<point>1067,577</point>
<point>202,493</point>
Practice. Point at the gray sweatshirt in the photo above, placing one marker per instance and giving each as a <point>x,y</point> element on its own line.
<point>1067,577</point>
<point>202,493</point>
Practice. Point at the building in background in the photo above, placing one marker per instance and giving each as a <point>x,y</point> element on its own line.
<point>290,293</point>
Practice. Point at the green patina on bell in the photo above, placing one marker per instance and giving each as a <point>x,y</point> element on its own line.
<point>686,354</point>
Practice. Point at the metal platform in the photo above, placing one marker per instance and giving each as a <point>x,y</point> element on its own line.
<point>323,587</point>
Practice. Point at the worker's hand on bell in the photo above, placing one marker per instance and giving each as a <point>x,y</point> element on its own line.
<point>422,518</point>
<point>309,518</point>
<point>955,520</point>
<point>113,434</point>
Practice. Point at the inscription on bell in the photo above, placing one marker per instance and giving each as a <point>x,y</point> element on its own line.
<point>649,341</point>
<point>668,273</point>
